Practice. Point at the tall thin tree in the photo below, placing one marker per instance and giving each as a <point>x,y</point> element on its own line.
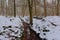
<point>14,9</point>
<point>52,8</point>
<point>57,7</point>
<point>2,7</point>
<point>45,13</point>
<point>35,6</point>
<point>6,7</point>
<point>30,4</point>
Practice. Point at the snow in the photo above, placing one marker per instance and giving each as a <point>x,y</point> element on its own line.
<point>10,27</point>
<point>26,19</point>
<point>51,23</point>
<point>48,27</point>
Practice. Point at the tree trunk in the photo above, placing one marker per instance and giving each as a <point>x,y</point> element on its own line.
<point>45,14</point>
<point>35,7</point>
<point>30,2</point>
<point>14,9</point>
<point>57,7</point>
<point>2,7</point>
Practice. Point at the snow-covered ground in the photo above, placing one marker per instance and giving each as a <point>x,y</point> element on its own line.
<point>10,28</point>
<point>48,27</point>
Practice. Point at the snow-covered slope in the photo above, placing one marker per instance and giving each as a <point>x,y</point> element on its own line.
<point>48,27</point>
<point>10,28</point>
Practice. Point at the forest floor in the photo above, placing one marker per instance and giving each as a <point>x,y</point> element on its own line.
<point>48,27</point>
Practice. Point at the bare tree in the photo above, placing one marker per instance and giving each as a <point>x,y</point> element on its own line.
<point>57,7</point>
<point>45,8</point>
<point>24,7</point>
<point>52,8</point>
<point>35,6</point>
<point>6,7</point>
<point>14,9</point>
<point>30,2</point>
<point>2,7</point>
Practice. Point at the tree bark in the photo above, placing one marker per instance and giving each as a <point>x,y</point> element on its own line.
<point>30,4</point>
<point>14,9</point>
<point>45,13</point>
<point>57,8</point>
<point>35,7</point>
